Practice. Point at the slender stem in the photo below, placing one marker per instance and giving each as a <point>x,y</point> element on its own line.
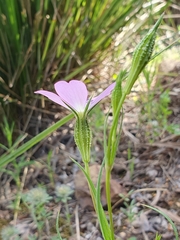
<point>68,218</point>
<point>20,185</point>
<point>88,173</point>
<point>18,198</point>
<point>113,132</point>
<point>110,154</point>
<point>34,217</point>
<point>57,226</point>
<point>108,198</point>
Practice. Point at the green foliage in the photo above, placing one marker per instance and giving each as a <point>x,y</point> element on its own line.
<point>7,129</point>
<point>156,113</point>
<point>129,210</point>
<point>10,232</point>
<point>36,197</point>
<point>15,171</point>
<point>35,201</point>
<point>158,237</point>
<point>164,112</point>
<point>58,237</point>
<point>63,193</point>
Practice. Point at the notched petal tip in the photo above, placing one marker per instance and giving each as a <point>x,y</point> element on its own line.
<point>74,93</point>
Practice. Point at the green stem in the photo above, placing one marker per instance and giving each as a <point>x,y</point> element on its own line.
<point>113,131</point>
<point>68,217</point>
<point>57,226</point>
<point>110,154</point>
<point>34,217</point>
<point>18,197</point>
<point>92,195</point>
<point>108,198</point>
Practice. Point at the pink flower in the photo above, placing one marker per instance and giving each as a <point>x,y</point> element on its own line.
<point>73,95</point>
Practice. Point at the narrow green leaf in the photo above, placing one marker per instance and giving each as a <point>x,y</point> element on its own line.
<point>167,217</point>
<point>105,228</point>
<point>57,226</point>
<point>49,37</point>
<point>5,159</point>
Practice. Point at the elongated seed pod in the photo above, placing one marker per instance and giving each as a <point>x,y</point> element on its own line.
<point>141,56</point>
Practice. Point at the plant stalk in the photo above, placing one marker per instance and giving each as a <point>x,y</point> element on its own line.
<point>108,199</point>
<point>92,195</point>
<point>68,218</point>
<point>110,160</point>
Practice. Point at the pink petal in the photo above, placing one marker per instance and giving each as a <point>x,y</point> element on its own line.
<point>73,93</point>
<point>102,95</point>
<point>52,96</point>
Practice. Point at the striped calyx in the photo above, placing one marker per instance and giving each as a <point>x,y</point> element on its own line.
<point>82,137</point>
